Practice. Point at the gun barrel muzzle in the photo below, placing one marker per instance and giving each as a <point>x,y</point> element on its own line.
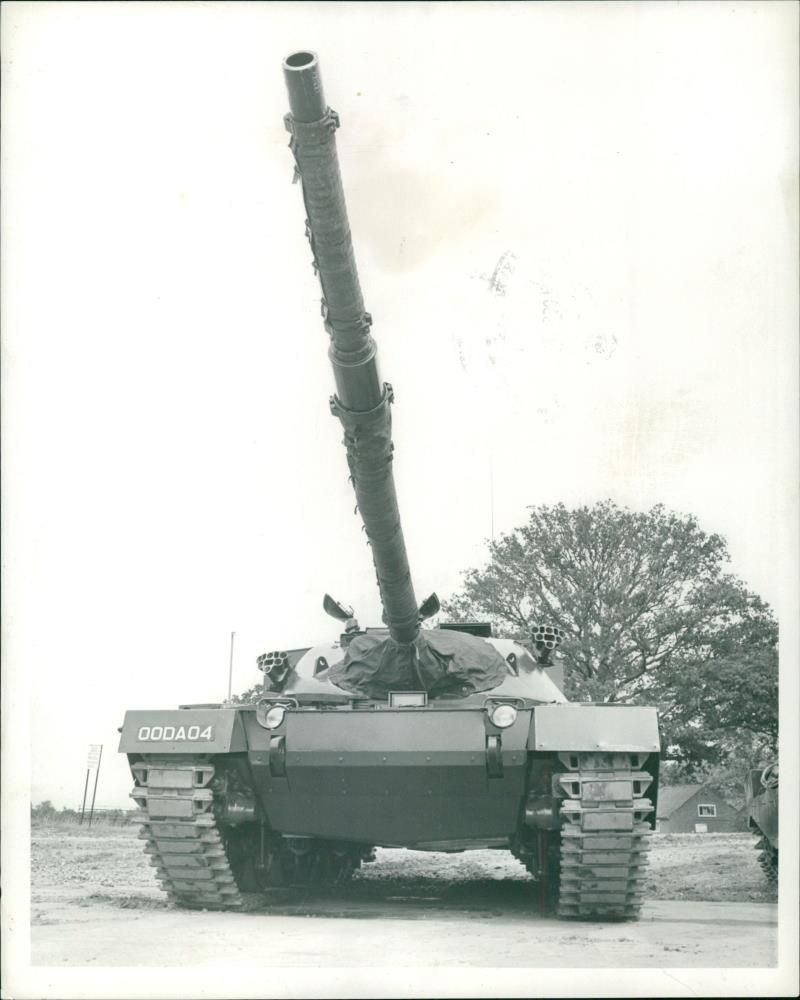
<point>304,83</point>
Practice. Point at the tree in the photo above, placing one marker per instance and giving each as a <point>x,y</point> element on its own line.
<point>43,810</point>
<point>729,776</point>
<point>248,697</point>
<point>649,615</point>
<point>722,712</point>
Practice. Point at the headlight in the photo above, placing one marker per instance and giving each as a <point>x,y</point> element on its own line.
<point>274,717</point>
<point>503,716</point>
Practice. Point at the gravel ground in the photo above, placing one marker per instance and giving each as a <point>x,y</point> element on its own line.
<point>95,905</point>
<point>107,865</point>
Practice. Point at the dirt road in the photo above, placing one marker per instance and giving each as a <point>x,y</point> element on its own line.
<point>500,932</point>
<point>95,902</point>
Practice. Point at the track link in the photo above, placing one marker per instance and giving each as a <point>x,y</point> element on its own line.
<point>181,834</point>
<point>604,834</point>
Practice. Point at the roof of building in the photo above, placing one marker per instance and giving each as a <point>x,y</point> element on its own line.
<point>672,797</point>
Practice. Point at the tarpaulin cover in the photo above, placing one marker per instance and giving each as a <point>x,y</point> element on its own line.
<point>443,663</point>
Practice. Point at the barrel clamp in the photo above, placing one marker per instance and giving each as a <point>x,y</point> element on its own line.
<point>309,134</point>
<point>359,327</point>
<point>315,133</point>
<point>352,419</point>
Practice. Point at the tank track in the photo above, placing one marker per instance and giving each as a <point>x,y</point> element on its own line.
<point>200,865</point>
<point>767,857</point>
<point>181,834</point>
<point>604,834</point>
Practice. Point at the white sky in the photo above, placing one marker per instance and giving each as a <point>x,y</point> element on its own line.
<point>172,471</point>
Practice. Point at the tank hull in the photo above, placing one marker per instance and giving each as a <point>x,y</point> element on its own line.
<point>405,777</point>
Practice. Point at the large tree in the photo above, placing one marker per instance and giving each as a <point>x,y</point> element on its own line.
<point>649,613</point>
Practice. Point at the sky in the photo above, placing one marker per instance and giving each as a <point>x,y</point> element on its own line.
<point>576,230</point>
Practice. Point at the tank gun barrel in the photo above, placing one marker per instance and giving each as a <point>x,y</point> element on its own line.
<point>361,401</point>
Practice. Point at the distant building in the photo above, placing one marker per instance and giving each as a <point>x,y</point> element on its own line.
<point>696,809</point>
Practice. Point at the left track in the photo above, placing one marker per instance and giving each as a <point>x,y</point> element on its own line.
<point>180,829</point>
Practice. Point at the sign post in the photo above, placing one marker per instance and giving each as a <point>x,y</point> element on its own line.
<point>85,788</point>
<point>93,763</point>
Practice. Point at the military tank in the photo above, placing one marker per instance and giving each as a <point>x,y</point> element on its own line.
<point>432,738</point>
<point>762,816</point>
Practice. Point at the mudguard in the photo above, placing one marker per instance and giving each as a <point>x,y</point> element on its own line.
<point>564,727</point>
<point>183,731</point>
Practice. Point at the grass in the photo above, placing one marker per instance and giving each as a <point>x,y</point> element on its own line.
<point>69,820</point>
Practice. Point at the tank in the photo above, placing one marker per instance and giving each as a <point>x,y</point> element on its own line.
<point>762,816</point>
<point>430,738</point>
